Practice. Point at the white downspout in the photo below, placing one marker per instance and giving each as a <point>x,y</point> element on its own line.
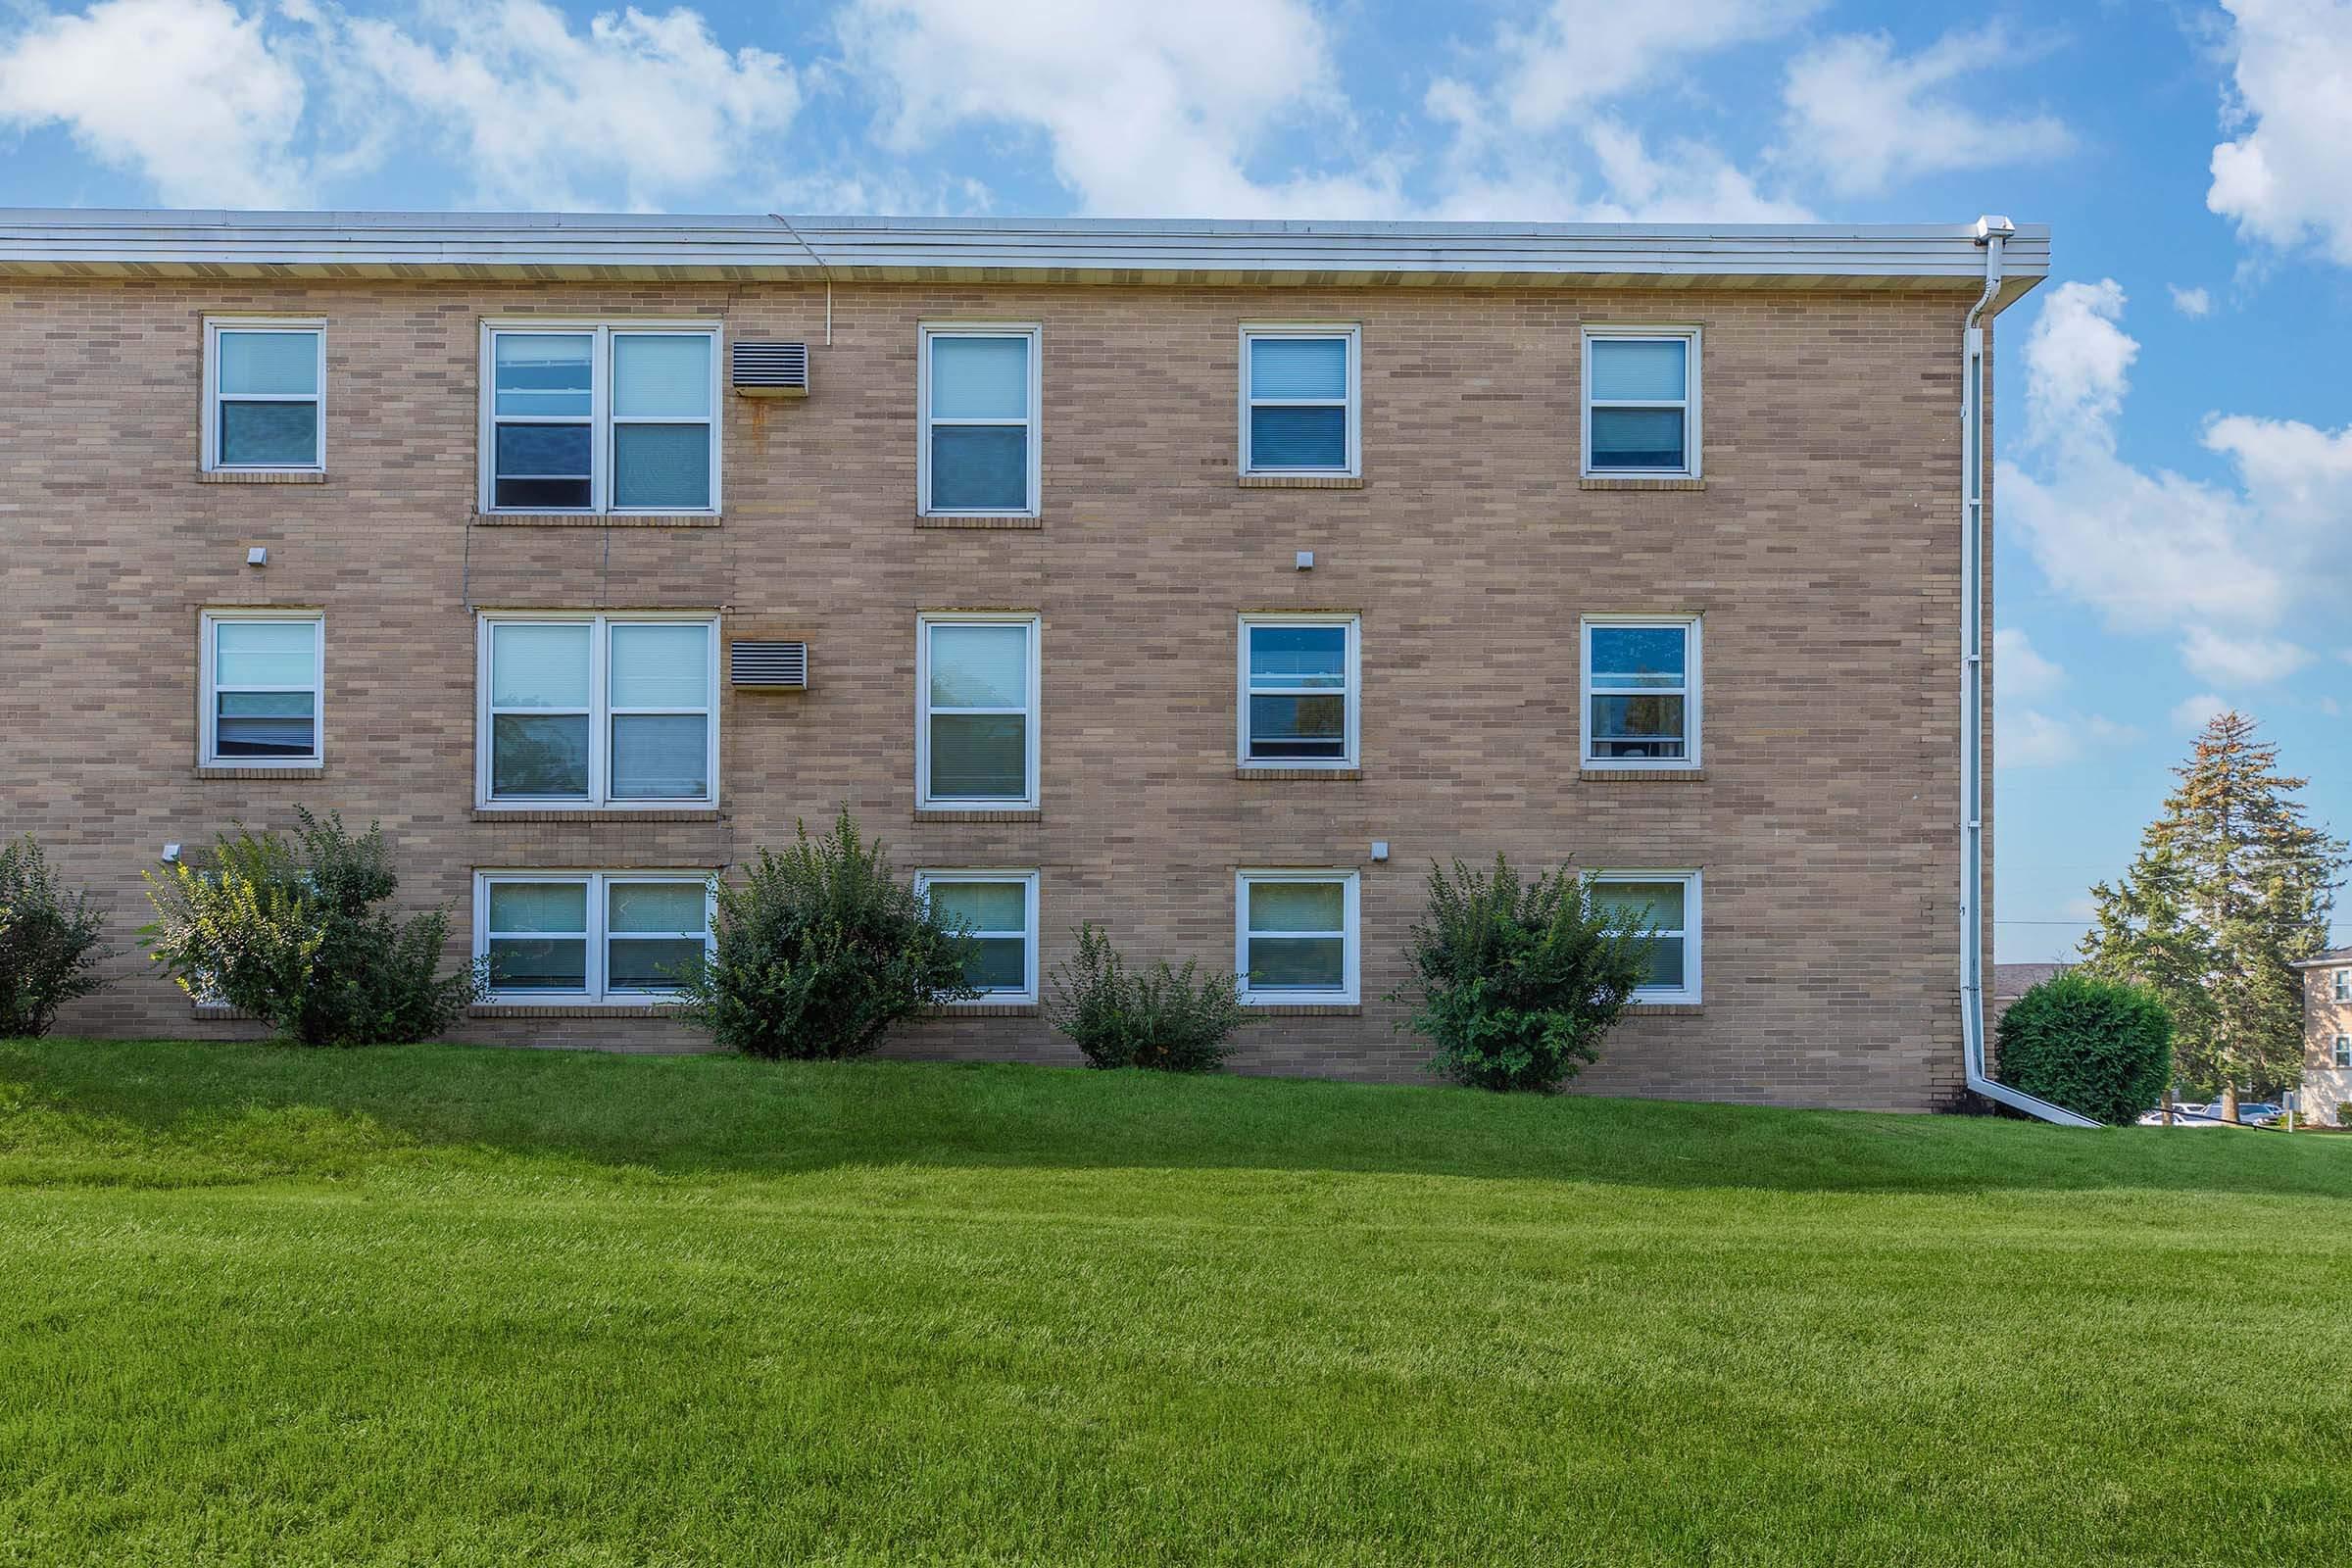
<point>1991,232</point>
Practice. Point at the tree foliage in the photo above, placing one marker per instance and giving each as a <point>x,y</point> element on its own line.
<point>49,951</point>
<point>2231,887</point>
<point>1172,1020</point>
<point>2103,1047</point>
<point>821,951</point>
<point>293,933</point>
<point>1517,981</point>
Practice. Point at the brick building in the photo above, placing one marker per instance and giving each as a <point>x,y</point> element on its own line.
<point>2326,1087</point>
<point>1203,580</point>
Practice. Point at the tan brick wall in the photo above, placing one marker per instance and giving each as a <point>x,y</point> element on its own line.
<point>2326,1088</point>
<point>1821,552</point>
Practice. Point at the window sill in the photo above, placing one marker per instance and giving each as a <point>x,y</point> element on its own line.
<point>1642,775</point>
<point>291,775</point>
<point>573,1009</point>
<point>1593,482</point>
<point>222,1013</point>
<point>1304,1009</point>
<point>260,476</point>
<point>943,522</point>
<point>596,519</point>
<point>984,1010</point>
<point>1342,775</point>
<point>1668,1010</point>
<point>1300,481</point>
<point>708,813</point>
<point>952,814</point>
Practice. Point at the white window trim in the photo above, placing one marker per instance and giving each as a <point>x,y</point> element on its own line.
<point>1691,991</point>
<point>1349,990</point>
<point>1353,336</point>
<point>1035,422</point>
<point>208,711</point>
<point>1353,693</point>
<point>599,711</point>
<point>923,800</point>
<point>1026,996</point>
<point>210,436</point>
<point>2343,1051</point>
<point>1690,402</point>
<point>1694,674</point>
<point>2343,985</point>
<point>600,421</point>
<point>599,918</point>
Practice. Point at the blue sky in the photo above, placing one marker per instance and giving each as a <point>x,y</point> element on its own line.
<point>2177,447</point>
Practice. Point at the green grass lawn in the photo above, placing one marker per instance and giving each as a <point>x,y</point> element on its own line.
<point>457,1307</point>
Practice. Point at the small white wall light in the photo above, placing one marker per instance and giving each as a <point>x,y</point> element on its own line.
<point>258,556</point>
<point>1306,560</point>
<point>171,855</point>
<point>1380,849</point>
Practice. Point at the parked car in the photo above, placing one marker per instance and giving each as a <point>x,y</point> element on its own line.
<point>2184,1114</point>
<point>2260,1112</point>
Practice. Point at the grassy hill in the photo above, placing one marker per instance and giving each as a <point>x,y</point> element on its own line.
<point>448,1305</point>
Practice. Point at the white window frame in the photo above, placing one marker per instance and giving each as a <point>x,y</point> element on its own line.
<point>1349,990</point>
<point>207,708</point>
<point>597,992</point>
<point>1026,996</point>
<point>2343,985</point>
<point>600,419</point>
<point>599,711</point>
<point>1354,692</point>
<point>1691,692</point>
<point>1690,992</point>
<point>1349,333</point>
<point>1692,467</point>
<point>929,332</point>
<point>924,624</point>
<point>2343,1051</point>
<point>210,442</point>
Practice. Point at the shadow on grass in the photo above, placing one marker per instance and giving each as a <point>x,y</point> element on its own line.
<point>278,1109</point>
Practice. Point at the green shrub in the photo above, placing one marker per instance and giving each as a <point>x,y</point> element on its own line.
<point>291,933</point>
<point>49,950</point>
<point>1171,1020</point>
<point>821,951</point>
<point>1518,982</point>
<point>2103,1047</point>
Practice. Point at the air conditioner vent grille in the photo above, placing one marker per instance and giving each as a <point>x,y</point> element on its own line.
<point>782,665</point>
<point>769,369</point>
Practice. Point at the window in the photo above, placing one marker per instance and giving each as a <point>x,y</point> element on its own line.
<point>976,696</point>
<point>1641,692</point>
<point>597,711</point>
<point>998,910</point>
<point>1298,400</point>
<point>2343,1051</point>
<point>2343,985</point>
<point>1666,902</point>
<point>1298,691</point>
<point>590,936</point>
<point>979,395</point>
<point>263,674</point>
<point>1294,937</point>
<point>265,397</point>
<point>595,419</point>
<point>1641,401</point>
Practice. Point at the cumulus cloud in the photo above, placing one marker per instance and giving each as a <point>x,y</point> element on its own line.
<point>2019,667</point>
<point>1862,117</point>
<point>2029,737</point>
<point>2283,178</point>
<point>1585,52</point>
<point>2193,713</point>
<point>2227,661</point>
<point>2191,302</point>
<point>200,99</point>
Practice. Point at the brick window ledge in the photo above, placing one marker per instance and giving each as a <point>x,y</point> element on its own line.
<point>985,1010</point>
<point>273,775</point>
<point>1632,482</point>
<point>1341,775</point>
<point>531,1009</point>
<point>922,521</point>
<point>1303,1010</point>
<point>1299,481</point>
<point>222,1013</point>
<point>596,519</point>
<point>979,817</point>
<point>1669,1010</point>
<point>260,476</point>
<point>705,814</point>
<point>1642,775</point>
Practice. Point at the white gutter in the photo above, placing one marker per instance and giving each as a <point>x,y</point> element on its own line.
<point>1991,232</point>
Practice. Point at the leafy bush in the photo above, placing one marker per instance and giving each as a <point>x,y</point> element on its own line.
<point>821,951</point>
<point>2103,1047</point>
<point>290,932</point>
<point>1172,1020</point>
<point>1518,982</point>
<point>49,949</point>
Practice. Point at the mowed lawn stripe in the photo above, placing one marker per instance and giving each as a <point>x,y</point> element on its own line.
<point>482,1324</point>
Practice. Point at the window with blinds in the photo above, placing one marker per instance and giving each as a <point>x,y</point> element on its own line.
<point>1298,400</point>
<point>265,676</point>
<point>979,392</point>
<point>264,396</point>
<point>598,418</point>
<point>590,936</point>
<point>1641,401</point>
<point>976,724</point>
<point>597,711</point>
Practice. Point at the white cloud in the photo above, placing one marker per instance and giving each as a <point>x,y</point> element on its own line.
<point>2240,660</point>
<point>1585,52</point>
<point>2020,668</point>
<point>2284,178</point>
<point>1143,109</point>
<point>544,115</point>
<point>2030,737</point>
<point>1863,118</point>
<point>2193,713</point>
<point>2191,302</point>
<point>194,95</point>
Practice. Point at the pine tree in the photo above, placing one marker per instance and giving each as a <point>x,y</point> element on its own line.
<point>2229,888</point>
